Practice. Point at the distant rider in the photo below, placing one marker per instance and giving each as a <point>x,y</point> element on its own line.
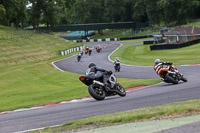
<point>79,56</point>
<point>81,52</point>
<point>117,61</point>
<point>86,50</point>
<point>92,71</point>
<point>90,51</point>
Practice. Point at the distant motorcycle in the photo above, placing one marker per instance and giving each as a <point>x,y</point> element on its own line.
<point>117,66</point>
<point>86,51</point>
<point>78,57</point>
<point>97,89</point>
<point>98,50</point>
<point>90,51</point>
<point>170,74</point>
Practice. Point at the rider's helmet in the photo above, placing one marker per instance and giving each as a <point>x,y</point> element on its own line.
<point>91,65</point>
<point>117,58</point>
<point>157,61</point>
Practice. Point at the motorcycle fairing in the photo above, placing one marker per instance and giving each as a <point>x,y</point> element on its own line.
<point>162,71</point>
<point>88,79</point>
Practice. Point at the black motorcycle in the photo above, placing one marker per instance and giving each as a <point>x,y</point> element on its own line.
<point>90,51</point>
<point>97,89</point>
<point>98,50</point>
<point>117,67</point>
<point>78,57</point>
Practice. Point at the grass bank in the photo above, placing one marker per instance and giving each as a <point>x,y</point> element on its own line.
<point>142,55</point>
<point>159,112</point>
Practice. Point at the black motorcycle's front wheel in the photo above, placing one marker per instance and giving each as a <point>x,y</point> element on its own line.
<point>184,79</point>
<point>169,77</point>
<point>120,90</point>
<point>97,92</point>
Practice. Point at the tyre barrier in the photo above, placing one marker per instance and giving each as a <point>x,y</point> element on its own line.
<point>174,46</point>
<point>69,51</point>
<point>153,42</point>
<point>112,39</point>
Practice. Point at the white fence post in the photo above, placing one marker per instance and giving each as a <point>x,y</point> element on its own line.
<point>107,39</point>
<point>62,53</point>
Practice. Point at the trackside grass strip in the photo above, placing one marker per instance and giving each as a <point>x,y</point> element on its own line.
<point>159,112</point>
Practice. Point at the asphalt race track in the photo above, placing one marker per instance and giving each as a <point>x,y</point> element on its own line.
<point>159,94</point>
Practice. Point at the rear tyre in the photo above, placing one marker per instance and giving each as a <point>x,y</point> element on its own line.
<point>120,90</point>
<point>171,79</point>
<point>96,92</point>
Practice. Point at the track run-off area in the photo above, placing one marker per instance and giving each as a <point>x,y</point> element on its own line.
<point>159,94</point>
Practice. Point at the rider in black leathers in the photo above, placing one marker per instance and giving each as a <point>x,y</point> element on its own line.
<point>92,71</point>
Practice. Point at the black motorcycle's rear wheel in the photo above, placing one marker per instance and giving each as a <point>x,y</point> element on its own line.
<point>120,90</point>
<point>96,92</point>
<point>169,78</point>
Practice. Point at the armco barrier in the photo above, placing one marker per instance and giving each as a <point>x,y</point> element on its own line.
<point>137,37</point>
<point>113,39</point>
<point>174,46</point>
<point>69,51</point>
<point>153,42</point>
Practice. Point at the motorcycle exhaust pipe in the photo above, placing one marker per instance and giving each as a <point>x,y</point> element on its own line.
<point>97,82</point>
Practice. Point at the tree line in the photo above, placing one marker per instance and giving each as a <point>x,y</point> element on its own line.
<point>62,12</point>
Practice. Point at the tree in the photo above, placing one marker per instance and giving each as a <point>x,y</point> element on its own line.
<point>86,11</point>
<point>2,13</point>
<point>153,12</point>
<point>35,12</point>
<point>187,10</point>
<point>139,14</point>
<point>8,6</point>
<point>115,10</point>
<point>50,17</point>
<point>19,12</point>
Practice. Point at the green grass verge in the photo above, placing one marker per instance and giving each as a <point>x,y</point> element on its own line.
<point>164,111</point>
<point>142,55</point>
<point>194,23</point>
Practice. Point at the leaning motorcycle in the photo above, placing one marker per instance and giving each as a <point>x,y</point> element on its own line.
<point>97,89</point>
<point>170,74</point>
